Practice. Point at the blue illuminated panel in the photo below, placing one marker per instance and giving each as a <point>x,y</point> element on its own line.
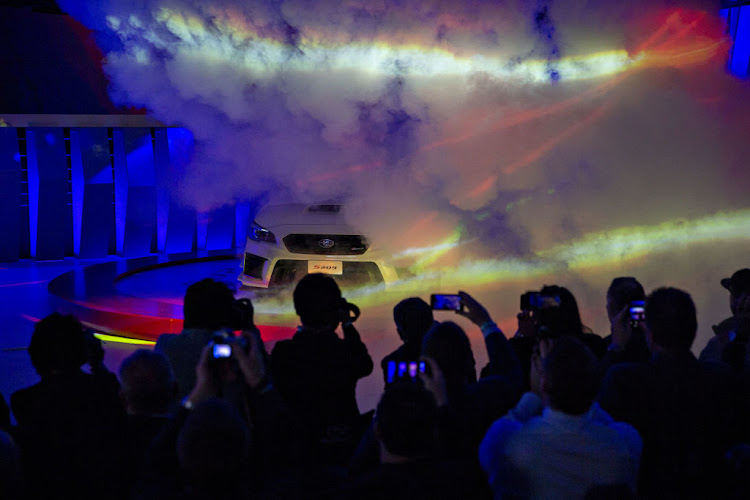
<point>50,222</point>
<point>92,185</point>
<point>135,192</point>
<point>10,195</point>
<point>176,224</point>
<point>739,28</point>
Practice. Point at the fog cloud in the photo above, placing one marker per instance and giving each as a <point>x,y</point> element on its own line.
<point>522,125</point>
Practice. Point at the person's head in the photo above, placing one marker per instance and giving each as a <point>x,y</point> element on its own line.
<point>208,305</point>
<point>406,420</point>
<point>413,317</point>
<point>449,346</point>
<point>58,345</point>
<point>147,383</point>
<point>671,321</point>
<point>738,286</point>
<point>569,380</point>
<point>621,292</point>
<point>317,300</point>
<point>564,319</point>
<point>213,447</point>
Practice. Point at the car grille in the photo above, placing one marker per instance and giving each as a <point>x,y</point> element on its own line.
<point>343,244</point>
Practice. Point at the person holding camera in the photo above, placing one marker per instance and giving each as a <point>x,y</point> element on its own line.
<point>209,307</point>
<point>230,437</point>
<point>69,423</point>
<point>316,371</point>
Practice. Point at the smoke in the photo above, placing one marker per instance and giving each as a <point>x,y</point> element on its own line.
<point>504,127</point>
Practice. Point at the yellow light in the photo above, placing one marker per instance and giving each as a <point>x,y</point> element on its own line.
<point>230,41</point>
<point>122,340</point>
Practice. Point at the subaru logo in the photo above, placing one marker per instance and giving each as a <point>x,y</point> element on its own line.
<point>325,243</point>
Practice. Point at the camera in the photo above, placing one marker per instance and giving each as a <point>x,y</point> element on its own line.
<point>637,313</point>
<point>348,311</point>
<point>536,301</point>
<point>222,351</point>
<point>446,302</point>
<point>221,343</point>
<point>241,316</point>
<point>404,370</point>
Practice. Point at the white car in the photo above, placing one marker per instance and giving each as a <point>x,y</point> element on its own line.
<point>286,242</point>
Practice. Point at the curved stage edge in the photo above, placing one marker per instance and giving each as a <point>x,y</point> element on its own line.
<point>97,296</point>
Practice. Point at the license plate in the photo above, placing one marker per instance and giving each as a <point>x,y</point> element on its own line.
<point>325,266</point>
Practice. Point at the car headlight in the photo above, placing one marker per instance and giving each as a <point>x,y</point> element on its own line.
<point>260,233</point>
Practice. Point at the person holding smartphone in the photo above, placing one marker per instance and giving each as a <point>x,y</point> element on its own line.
<point>413,318</point>
<point>469,405</point>
<point>625,307</point>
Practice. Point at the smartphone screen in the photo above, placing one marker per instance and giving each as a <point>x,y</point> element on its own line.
<point>637,312</point>
<point>404,369</point>
<point>222,351</point>
<point>447,302</point>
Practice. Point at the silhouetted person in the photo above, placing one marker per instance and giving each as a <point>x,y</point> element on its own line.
<point>626,342</point>
<point>468,406</point>
<point>208,308</point>
<point>731,335</point>
<point>407,432</point>
<point>147,388</point>
<point>557,316</point>
<point>683,409</point>
<point>557,442</point>
<point>226,437</point>
<point>11,484</point>
<point>4,414</point>
<point>70,421</point>
<point>213,450</point>
<point>413,317</point>
<point>316,371</point>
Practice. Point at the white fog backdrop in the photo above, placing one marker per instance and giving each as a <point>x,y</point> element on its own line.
<point>464,123</point>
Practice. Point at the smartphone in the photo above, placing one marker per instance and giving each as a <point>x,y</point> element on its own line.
<point>446,302</point>
<point>533,301</point>
<point>637,312</point>
<point>404,369</point>
<point>222,351</point>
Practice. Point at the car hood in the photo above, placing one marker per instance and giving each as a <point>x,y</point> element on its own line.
<point>300,214</point>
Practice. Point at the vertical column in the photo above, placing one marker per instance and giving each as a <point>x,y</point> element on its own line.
<point>176,225</point>
<point>135,192</point>
<point>49,216</point>
<point>10,195</point>
<point>739,63</point>
<point>92,183</point>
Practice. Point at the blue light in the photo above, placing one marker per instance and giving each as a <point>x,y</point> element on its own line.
<point>740,58</point>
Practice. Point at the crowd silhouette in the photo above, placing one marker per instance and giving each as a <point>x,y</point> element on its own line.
<point>557,412</point>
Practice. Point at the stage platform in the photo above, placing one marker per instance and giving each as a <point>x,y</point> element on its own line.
<point>142,298</point>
